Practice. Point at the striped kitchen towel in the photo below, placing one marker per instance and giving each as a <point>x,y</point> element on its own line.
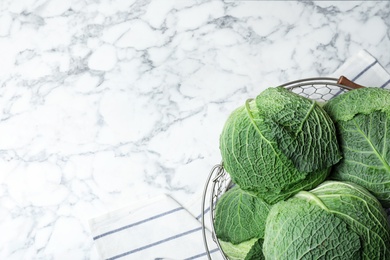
<point>365,70</point>
<point>161,228</point>
<point>157,228</point>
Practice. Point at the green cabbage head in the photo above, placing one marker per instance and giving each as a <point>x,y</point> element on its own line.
<point>278,144</point>
<point>336,220</point>
<point>240,223</point>
<point>362,119</point>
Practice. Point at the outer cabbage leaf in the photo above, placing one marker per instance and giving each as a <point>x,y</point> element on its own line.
<point>362,212</point>
<point>298,229</point>
<point>358,101</point>
<point>311,181</point>
<point>240,216</point>
<point>255,162</point>
<point>362,119</point>
<point>256,251</point>
<point>303,131</point>
<point>248,250</point>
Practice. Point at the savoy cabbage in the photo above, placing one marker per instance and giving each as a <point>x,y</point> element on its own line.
<point>336,220</point>
<point>278,144</point>
<point>240,223</point>
<point>362,119</point>
<point>279,150</point>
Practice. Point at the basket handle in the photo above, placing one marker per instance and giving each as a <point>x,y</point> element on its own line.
<point>349,83</point>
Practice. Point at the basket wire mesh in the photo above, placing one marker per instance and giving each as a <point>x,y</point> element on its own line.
<point>218,182</point>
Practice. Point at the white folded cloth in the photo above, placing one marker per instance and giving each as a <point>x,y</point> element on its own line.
<point>161,228</point>
<point>365,70</point>
<point>157,228</point>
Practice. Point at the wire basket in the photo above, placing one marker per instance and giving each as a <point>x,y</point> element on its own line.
<point>219,181</point>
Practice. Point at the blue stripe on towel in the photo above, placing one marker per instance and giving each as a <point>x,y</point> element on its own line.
<point>204,213</point>
<point>155,243</point>
<point>363,71</point>
<point>202,254</point>
<point>138,223</point>
<point>359,74</point>
<point>385,84</point>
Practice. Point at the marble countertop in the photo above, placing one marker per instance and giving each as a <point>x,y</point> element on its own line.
<point>106,102</point>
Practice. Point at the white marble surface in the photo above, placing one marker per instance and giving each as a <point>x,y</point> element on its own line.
<point>106,102</point>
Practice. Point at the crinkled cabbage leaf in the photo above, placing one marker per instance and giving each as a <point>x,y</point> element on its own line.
<point>248,250</point>
<point>278,144</point>
<point>336,220</point>
<point>240,223</point>
<point>362,119</point>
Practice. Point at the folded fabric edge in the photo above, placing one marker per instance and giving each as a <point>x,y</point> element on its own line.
<point>189,207</point>
<point>363,68</point>
<point>110,218</point>
<point>126,208</point>
<point>365,54</point>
